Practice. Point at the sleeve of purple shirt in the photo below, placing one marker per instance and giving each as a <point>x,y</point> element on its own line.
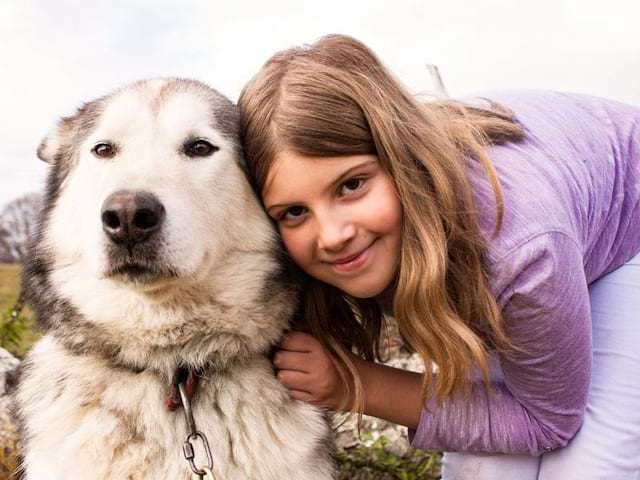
<point>539,405</point>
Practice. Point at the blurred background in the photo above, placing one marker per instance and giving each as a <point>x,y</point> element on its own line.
<point>55,55</point>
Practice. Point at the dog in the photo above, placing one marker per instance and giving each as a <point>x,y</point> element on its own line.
<point>154,262</point>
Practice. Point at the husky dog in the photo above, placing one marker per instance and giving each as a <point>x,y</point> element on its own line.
<point>153,256</point>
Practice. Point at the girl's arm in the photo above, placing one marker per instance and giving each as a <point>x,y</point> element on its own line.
<point>391,393</point>
<point>308,370</point>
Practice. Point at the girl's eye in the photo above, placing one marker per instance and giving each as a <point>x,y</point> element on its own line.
<point>351,186</point>
<point>292,213</point>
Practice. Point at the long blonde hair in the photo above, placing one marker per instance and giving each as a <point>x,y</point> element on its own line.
<point>335,98</point>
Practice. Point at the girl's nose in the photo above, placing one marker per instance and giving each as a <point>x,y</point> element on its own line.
<point>335,233</point>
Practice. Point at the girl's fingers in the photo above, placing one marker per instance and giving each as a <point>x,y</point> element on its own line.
<point>294,380</point>
<point>298,361</point>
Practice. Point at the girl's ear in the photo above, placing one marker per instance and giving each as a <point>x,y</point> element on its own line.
<point>55,140</point>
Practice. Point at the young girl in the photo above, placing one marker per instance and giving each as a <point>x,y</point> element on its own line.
<point>504,239</point>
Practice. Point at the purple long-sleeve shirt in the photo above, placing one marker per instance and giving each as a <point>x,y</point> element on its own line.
<point>572,214</point>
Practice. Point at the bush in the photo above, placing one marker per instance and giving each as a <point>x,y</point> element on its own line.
<point>17,332</point>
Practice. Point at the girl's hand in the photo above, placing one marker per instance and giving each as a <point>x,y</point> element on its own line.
<point>308,370</point>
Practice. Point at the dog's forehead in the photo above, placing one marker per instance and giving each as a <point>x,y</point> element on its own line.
<point>184,110</point>
<point>172,106</point>
<point>123,112</point>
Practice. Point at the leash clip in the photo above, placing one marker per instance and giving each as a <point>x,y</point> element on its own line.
<point>204,471</point>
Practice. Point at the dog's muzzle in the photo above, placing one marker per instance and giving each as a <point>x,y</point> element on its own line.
<point>131,218</point>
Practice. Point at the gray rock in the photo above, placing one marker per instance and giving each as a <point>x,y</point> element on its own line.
<point>8,434</point>
<point>8,365</point>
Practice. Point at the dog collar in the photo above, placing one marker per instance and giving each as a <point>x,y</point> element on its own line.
<point>191,379</point>
<point>183,386</point>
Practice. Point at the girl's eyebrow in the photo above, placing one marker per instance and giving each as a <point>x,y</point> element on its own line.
<point>348,172</point>
<point>331,185</point>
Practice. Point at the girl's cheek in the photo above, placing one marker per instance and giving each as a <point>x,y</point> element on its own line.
<point>296,244</point>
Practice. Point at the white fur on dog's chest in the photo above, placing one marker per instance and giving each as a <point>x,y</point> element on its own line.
<point>92,421</point>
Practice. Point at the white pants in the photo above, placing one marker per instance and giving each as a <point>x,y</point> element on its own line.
<point>607,446</point>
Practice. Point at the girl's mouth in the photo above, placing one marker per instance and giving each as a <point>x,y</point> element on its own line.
<point>353,262</point>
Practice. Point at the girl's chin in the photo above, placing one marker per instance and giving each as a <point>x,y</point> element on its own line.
<point>364,291</point>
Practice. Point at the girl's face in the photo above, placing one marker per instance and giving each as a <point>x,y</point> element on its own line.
<point>339,217</point>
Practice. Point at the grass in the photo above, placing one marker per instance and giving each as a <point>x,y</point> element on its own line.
<point>9,284</point>
<point>371,460</point>
<point>16,334</point>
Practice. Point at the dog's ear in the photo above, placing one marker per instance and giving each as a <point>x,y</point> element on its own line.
<point>55,140</point>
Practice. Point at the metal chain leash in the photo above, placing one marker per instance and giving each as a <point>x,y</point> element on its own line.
<point>204,471</point>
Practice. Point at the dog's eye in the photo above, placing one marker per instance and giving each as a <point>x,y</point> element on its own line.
<point>200,148</point>
<point>104,150</point>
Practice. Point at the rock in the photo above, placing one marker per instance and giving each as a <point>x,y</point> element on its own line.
<point>8,432</point>
<point>8,365</point>
<point>347,425</point>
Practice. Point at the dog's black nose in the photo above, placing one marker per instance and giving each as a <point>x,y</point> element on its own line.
<point>131,217</point>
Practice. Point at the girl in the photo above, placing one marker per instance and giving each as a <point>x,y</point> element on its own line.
<point>503,237</point>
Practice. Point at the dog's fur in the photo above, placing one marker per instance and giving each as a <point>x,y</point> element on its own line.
<point>206,292</point>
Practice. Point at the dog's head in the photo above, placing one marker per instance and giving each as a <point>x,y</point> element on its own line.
<point>150,228</point>
<point>146,182</point>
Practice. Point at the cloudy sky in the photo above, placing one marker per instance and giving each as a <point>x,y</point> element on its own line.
<point>56,55</point>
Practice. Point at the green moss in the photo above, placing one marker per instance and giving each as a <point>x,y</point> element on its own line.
<point>374,460</point>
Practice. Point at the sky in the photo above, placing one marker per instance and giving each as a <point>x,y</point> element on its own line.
<point>56,55</point>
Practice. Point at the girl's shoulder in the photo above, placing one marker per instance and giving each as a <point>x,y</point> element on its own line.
<point>554,100</point>
<point>575,175</point>
<point>542,111</point>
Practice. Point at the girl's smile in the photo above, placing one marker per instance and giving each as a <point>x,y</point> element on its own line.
<point>339,217</point>
<point>353,262</point>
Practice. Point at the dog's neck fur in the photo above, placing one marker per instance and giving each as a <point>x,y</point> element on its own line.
<point>203,334</point>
